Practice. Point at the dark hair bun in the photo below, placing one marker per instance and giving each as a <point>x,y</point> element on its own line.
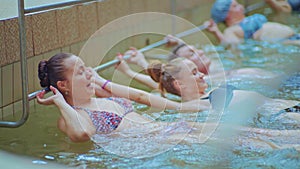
<point>43,74</point>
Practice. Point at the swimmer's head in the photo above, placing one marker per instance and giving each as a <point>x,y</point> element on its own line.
<point>195,55</point>
<point>220,9</point>
<point>179,76</point>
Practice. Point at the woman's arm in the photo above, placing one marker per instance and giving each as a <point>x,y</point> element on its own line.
<point>136,58</point>
<point>173,41</point>
<point>99,92</point>
<point>212,27</point>
<point>148,98</point>
<point>75,125</point>
<point>142,78</point>
<point>279,6</point>
<point>229,36</point>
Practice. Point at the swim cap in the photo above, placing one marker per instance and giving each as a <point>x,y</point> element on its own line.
<point>295,4</point>
<point>219,10</point>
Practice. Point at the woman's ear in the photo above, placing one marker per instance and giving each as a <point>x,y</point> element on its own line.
<point>62,86</point>
<point>177,85</point>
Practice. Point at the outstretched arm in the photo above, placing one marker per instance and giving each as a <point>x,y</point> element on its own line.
<point>142,78</point>
<point>279,6</point>
<point>147,98</point>
<point>173,41</point>
<point>212,27</point>
<point>137,58</point>
<point>229,36</point>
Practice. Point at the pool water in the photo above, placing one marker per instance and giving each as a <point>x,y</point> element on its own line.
<point>40,139</point>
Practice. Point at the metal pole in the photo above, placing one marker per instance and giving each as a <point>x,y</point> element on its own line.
<point>255,6</point>
<point>23,60</point>
<point>57,5</point>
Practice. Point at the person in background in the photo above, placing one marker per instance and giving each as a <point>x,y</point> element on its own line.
<point>239,27</point>
<point>285,6</point>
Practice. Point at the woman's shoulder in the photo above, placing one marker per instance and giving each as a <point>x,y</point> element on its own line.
<point>118,100</point>
<point>235,30</point>
<point>250,95</point>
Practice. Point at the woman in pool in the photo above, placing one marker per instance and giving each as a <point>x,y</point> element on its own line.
<point>205,64</point>
<point>240,27</point>
<point>285,6</point>
<point>82,116</point>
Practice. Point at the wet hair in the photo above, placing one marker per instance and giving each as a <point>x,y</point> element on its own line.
<point>174,54</point>
<point>53,70</point>
<point>165,75</point>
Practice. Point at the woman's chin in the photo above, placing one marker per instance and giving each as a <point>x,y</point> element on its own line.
<point>202,88</point>
<point>90,91</point>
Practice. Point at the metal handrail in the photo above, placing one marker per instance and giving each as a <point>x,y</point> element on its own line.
<point>255,6</point>
<point>57,5</point>
<point>25,102</point>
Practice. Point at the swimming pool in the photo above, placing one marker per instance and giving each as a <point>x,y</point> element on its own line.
<point>40,138</point>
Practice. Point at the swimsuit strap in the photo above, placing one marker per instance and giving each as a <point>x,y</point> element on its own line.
<point>124,103</point>
<point>216,96</point>
<point>81,108</point>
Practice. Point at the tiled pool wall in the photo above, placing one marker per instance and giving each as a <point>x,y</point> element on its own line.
<point>66,30</point>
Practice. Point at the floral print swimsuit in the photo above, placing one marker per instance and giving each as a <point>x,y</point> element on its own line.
<point>104,121</point>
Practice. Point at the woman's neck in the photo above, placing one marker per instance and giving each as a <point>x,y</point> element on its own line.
<point>79,102</point>
<point>188,96</point>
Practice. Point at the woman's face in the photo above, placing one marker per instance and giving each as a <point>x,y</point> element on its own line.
<point>191,78</point>
<point>236,9</point>
<point>80,78</point>
<point>197,56</point>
